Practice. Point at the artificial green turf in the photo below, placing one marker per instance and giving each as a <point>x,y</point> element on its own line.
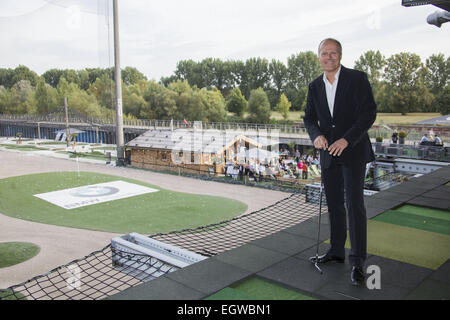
<point>155,212</point>
<point>425,212</point>
<point>258,289</point>
<point>9,295</point>
<point>415,221</point>
<point>230,294</point>
<point>26,147</point>
<point>12,253</point>
<point>414,246</point>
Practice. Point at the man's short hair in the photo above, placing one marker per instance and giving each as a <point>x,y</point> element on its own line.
<point>330,39</point>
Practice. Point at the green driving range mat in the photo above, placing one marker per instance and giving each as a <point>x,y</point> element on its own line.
<point>257,289</point>
<point>414,246</point>
<point>425,212</point>
<point>418,247</point>
<point>230,294</point>
<point>416,221</point>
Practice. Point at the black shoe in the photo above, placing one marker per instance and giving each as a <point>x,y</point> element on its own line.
<point>327,257</point>
<point>357,276</point>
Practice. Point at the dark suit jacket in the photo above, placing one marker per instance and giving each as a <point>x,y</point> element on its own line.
<point>353,114</point>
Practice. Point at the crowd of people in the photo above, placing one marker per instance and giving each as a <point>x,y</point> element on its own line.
<point>289,165</point>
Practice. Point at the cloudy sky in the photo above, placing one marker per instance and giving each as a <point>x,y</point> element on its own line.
<point>155,35</point>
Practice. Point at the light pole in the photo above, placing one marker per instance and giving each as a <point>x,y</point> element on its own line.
<point>119,114</point>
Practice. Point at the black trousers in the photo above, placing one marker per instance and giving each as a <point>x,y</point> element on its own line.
<point>337,179</point>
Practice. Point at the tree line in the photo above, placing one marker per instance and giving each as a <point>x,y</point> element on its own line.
<point>216,91</point>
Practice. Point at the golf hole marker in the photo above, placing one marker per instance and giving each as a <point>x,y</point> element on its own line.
<point>95,193</point>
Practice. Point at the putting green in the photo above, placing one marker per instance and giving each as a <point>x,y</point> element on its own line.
<point>155,212</point>
<point>12,253</point>
<point>416,221</point>
<point>258,289</point>
<point>414,246</point>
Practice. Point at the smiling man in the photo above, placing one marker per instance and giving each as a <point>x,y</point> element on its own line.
<point>339,112</point>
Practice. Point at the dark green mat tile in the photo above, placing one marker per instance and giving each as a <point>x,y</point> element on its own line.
<point>323,248</point>
<point>430,290</point>
<point>250,257</point>
<point>347,291</point>
<point>382,203</point>
<point>443,273</point>
<point>158,289</point>
<point>415,188</point>
<point>442,204</point>
<point>309,229</point>
<point>398,274</point>
<point>443,188</point>
<point>208,276</point>
<point>302,275</point>
<point>324,219</point>
<point>372,212</point>
<point>415,221</point>
<point>390,195</point>
<point>285,242</point>
<point>437,194</point>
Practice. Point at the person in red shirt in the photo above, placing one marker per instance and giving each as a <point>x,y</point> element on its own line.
<point>304,170</point>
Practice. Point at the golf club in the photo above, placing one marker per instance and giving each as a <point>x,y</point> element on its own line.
<point>315,260</point>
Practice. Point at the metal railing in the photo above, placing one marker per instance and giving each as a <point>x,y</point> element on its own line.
<point>295,129</point>
<point>411,151</point>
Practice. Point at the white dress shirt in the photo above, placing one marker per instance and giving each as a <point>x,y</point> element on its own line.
<point>330,89</point>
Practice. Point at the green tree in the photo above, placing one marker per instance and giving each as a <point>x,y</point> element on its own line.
<point>372,63</point>
<point>283,106</point>
<point>131,75</point>
<point>104,91</point>
<point>442,101</point>
<point>303,68</point>
<point>42,97</point>
<point>215,106</point>
<point>236,102</point>
<point>437,80</point>
<point>53,76</point>
<point>5,100</point>
<point>259,106</point>
<point>256,75</point>
<point>407,91</point>
<point>278,79</point>
<point>22,98</point>
<point>133,97</point>
<point>24,73</point>
<point>6,77</point>
<point>161,102</point>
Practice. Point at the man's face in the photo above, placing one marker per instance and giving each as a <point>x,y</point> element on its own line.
<point>329,56</point>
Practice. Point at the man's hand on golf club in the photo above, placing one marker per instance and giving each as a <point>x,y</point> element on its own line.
<point>335,149</point>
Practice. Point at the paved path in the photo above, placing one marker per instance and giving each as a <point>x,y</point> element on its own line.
<point>60,245</point>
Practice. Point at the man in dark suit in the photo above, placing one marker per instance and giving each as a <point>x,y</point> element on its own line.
<point>340,110</point>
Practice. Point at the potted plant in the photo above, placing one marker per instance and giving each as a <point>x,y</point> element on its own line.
<point>401,137</point>
<point>19,135</point>
<point>378,145</point>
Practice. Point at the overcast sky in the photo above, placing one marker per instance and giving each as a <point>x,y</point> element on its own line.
<point>155,35</point>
